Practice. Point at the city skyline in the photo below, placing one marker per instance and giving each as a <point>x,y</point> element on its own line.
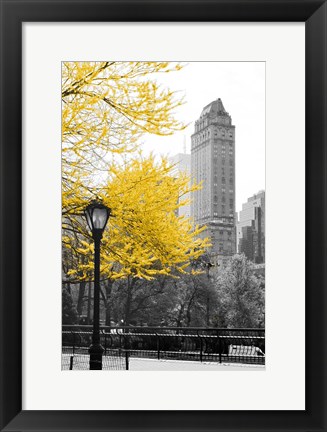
<point>212,164</point>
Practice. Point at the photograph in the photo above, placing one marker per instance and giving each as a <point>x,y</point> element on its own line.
<point>163,215</point>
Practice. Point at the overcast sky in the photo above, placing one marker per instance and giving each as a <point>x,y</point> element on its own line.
<point>241,87</point>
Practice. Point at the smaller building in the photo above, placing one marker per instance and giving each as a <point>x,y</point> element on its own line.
<point>182,164</point>
<point>251,229</point>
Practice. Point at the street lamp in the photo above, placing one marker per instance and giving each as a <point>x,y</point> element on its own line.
<point>97,216</point>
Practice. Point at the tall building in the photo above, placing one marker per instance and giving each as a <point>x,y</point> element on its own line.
<point>213,165</point>
<point>182,164</point>
<point>251,228</point>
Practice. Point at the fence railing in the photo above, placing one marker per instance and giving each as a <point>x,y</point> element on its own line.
<point>178,343</point>
<point>113,360</point>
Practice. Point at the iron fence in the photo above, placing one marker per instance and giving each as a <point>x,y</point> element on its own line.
<point>75,351</point>
<point>178,343</point>
<point>114,360</point>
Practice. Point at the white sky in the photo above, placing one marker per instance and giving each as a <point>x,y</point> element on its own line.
<point>241,87</point>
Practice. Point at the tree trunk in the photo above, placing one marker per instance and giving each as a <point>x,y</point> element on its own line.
<point>80,300</point>
<point>188,313</point>
<point>128,301</point>
<point>208,311</point>
<point>188,310</point>
<point>68,288</point>
<point>108,302</point>
<point>180,315</point>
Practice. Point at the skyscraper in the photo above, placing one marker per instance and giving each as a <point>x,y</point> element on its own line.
<point>213,165</point>
<point>251,228</point>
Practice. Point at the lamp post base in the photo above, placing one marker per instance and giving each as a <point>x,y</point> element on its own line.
<point>96,352</point>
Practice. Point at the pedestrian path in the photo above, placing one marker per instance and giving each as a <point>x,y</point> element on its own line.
<point>138,364</point>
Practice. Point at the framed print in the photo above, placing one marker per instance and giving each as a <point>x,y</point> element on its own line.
<point>96,274</point>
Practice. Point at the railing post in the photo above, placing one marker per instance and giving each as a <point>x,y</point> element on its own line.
<point>128,342</point>
<point>158,346</point>
<point>73,333</point>
<point>219,346</point>
<point>71,361</point>
<point>126,338</point>
<point>127,359</point>
<point>105,343</point>
<point>201,346</point>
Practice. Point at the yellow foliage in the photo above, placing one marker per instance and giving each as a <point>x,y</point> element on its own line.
<point>106,108</point>
<point>144,236</point>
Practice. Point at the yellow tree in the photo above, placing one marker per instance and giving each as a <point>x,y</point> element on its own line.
<point>106,108</point>
<point>145,236</point>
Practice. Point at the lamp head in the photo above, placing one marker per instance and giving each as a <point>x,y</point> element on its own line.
<point>97,215</point>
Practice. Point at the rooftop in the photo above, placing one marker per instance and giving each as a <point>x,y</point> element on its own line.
<point>215,107</point>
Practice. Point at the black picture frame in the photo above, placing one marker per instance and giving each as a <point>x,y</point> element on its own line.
<point>13,14</point>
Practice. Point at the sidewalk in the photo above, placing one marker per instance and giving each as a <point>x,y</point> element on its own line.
<point>138,364</point>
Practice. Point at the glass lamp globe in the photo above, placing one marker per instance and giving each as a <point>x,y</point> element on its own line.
<point>97,215</point>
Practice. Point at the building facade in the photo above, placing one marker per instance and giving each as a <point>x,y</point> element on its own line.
<point>213,165</point>
<point>181,164</point>
<point>251,228</point>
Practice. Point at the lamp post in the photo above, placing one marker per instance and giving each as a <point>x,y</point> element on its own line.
<point>97,216</point>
